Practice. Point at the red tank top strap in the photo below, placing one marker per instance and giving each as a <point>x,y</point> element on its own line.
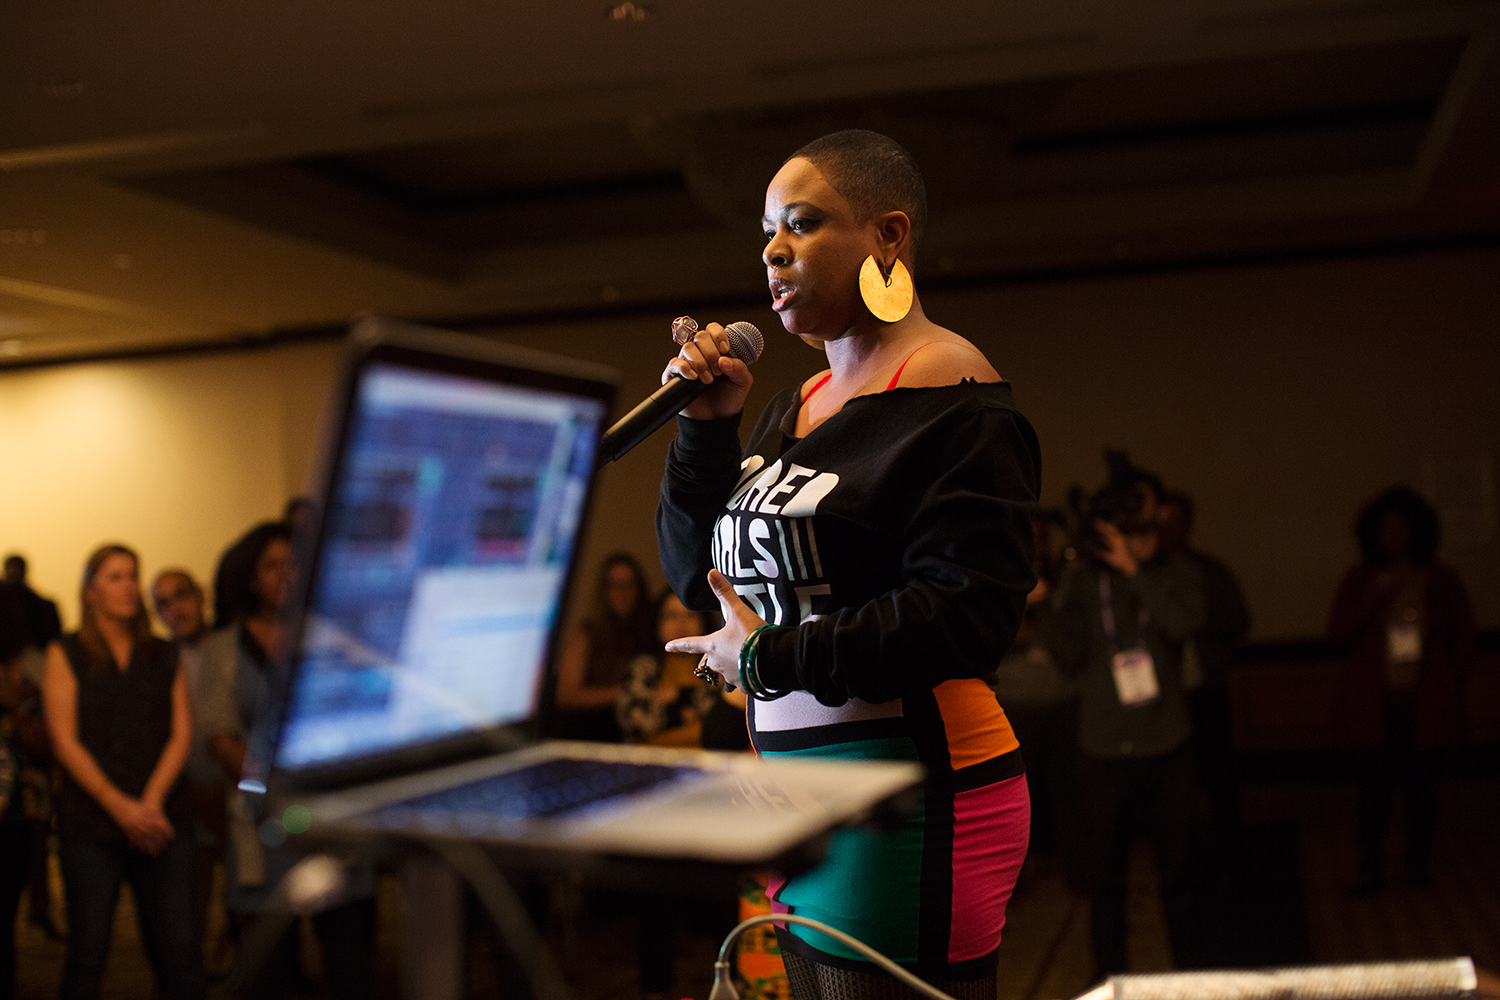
<point>821,383</point>
<point>897,377</point>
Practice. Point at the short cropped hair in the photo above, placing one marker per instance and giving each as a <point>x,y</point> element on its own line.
<point>873,173</point>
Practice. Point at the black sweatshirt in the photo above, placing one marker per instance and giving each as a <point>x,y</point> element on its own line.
<point>902,522</point>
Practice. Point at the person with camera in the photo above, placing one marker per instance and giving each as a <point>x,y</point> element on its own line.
<point>1122,612</point>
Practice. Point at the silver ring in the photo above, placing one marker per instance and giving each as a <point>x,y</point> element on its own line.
<point>683,328</point>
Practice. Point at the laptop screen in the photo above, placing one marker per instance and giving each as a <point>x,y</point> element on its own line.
<point>453,512</point>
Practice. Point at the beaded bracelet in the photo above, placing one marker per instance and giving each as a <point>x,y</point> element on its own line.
<point>749,674</point>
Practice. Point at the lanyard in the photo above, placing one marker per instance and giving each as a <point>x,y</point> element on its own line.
<point>1107,612</point>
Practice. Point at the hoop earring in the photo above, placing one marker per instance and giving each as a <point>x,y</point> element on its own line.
<point>887,296</point>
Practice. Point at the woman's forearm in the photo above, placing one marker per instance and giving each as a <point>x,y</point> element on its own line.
<point>86,772</point>
<point>164,776</point>
<point>573,694</point>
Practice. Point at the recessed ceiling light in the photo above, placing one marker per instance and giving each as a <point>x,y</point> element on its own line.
<point>628,11</point>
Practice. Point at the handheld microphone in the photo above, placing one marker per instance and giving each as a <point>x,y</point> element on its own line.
<point>745,343</point>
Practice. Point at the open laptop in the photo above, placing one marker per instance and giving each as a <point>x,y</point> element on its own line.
<point>456,488</point>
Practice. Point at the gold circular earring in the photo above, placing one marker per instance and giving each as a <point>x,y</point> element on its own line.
<point>887,296</point>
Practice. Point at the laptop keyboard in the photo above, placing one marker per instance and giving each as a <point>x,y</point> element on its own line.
<point>549,789</point>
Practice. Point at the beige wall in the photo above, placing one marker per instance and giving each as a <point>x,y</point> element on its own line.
<point>172,457</point>
<point>1280,397</point>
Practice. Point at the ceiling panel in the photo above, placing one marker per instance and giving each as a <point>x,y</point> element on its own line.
<point>280,165</point>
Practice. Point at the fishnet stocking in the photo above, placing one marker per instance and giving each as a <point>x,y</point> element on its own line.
<point>814,981</point>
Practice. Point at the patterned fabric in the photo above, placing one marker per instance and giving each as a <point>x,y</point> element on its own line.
<point>758,970</point>
<point>645,719</point>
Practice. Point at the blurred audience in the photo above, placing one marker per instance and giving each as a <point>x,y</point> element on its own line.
<point>116,706</point>
<point>43,625</point>
<point>1119,672</point>
<point>23,750</point>
<point>1206,656</point>
<point>181,605</point>
<point>1406,624</point>
<point>660,701</point>
<point>302,514</point>
<point>40,625</point>
<point>1121,616</point>
<point>594,661</point>
<point>1041,703</point>
<point>242,665</point>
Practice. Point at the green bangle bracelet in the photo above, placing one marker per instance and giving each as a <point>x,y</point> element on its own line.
<point>749,667</point>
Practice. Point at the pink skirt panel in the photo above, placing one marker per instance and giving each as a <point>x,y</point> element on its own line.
<point>991,828</point>
<point>774,882</point>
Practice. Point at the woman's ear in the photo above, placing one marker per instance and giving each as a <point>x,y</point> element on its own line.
<point>893,233</point>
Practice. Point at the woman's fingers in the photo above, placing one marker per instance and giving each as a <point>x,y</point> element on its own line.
<point>722,588</point>
<point>701,357</point>
<point>721,650</point>
<point>706,358</point>
<point>737,615</point>
<point>690,644</point>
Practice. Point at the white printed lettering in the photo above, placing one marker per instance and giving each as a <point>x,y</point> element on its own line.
<point>723,544</point>
<point>805,502</point>
<point>796,475</point>
<point>759,531</point>
<point>812,546</point>
<point>750,494</point>
<point>786,556</point>
<point>751,593</point>
<point>804,599</point>
<point>797,544</point>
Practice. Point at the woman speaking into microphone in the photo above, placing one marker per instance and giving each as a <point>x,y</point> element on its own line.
<point>869,547</point>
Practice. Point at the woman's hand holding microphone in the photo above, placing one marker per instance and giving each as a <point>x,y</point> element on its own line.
<point>705,356</point>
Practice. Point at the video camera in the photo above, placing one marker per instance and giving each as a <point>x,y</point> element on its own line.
<point>1121,502</point>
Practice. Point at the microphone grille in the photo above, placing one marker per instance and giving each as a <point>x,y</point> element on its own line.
<point>745,341</point>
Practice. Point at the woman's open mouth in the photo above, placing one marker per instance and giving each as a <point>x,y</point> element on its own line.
<point>781,291</point>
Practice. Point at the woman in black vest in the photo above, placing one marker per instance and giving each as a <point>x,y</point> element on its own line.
<point>117,710</point>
